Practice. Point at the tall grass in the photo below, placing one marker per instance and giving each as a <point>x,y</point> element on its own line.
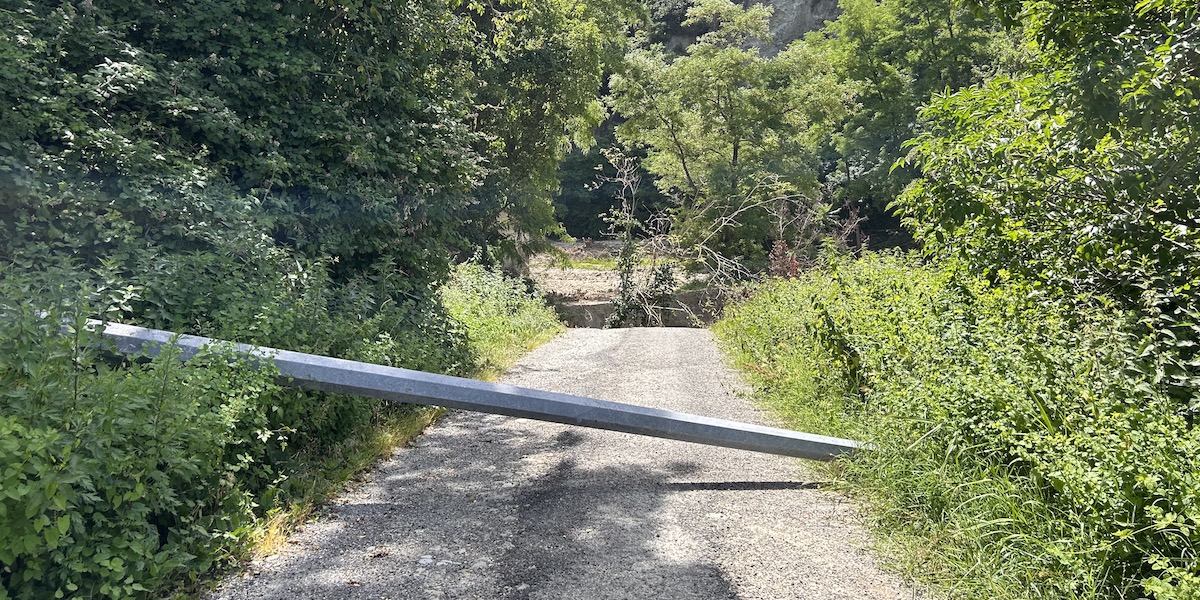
<point>1020,450</point>
<point>501,318</point>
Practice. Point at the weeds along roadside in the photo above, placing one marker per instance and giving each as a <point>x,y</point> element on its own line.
<point>501,322</point>
<point>1022,450</point>
<point>132,478</point>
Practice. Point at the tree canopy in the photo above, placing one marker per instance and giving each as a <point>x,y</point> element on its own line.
<point>1081,173</point>
<point>728,131</point>
<point>361,134</point>
<point>896,54</point>
<point>537,93</point>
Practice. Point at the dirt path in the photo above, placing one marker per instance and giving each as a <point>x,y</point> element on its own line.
<point>492,507</point>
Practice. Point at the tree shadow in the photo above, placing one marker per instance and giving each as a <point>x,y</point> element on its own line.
<point>485,507</point>
<point>596,531</point>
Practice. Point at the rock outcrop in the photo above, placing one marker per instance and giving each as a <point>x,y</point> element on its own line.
<point>794,18</point>
<point>789,22</point>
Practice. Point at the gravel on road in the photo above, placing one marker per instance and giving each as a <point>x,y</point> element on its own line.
<point>484,506</point>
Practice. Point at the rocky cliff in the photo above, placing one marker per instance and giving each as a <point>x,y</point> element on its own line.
<point>790,21</point>
<point>794,18</point>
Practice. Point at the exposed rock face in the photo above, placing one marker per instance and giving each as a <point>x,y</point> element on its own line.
<point>789,22</point>
<point>794,18</point>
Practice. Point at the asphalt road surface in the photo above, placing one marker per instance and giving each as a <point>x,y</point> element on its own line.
<point>484,506</point>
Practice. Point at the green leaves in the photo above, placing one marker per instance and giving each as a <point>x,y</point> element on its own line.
<point>726,130</point>
<point>144,130</point>
<point>1079,177</point>
<point>500,318</point>
<point>111,475</point>
<point>539,67</point>
<point>292,174</point>
<point>124,479</point>
<point>892,57</point>
<point>1013,429</point>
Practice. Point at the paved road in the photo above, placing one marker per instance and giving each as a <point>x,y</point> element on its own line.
<point>493,507</point>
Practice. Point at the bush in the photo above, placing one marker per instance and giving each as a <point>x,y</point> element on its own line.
<point>120,477</point>
<point>277,299</point>
<point>1023,443</point>
<point>126,477</point>
<point>1079,175</point>
<point>502,319</point>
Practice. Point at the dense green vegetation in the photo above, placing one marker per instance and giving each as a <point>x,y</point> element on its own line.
<point>1031,384</point>
<point>537,94</point>
<point>754,147</point>
<point>725,131</point>
<point>892,56</point>
<point>502,319</point>
<point>1081,174</point>
<point>308,175</point>
<point>1019,452</point>
<point>299,175</point>
<point>122,478</point>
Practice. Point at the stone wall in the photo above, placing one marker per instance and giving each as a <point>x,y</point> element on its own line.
<point>695,308</point>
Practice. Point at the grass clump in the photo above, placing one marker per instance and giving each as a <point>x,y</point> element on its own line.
<point>321,474</point>
<point>590,263</point>
<point>1021,450</point>
<point>502,319</point>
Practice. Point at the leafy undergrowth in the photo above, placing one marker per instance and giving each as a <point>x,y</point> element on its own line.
<point>138,478</point>
<point>501,322</point>
<point>502,319</point>
<point>1020,450</point>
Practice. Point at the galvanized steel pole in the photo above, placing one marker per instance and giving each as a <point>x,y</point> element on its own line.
<point>416,387</point>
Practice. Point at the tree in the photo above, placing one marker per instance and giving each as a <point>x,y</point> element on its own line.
<point>338,129</point>
<point>727,131</point>
<point>590,191</point>
<point>539,71</point>
<point>895,54</point>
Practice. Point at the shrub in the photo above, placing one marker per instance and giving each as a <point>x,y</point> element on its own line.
<point>119,477</point>
<point>1023,443</point>
<point>124,477</point>
<point>501,318</point>
<point>1079,175</point>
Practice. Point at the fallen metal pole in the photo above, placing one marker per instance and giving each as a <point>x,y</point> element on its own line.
<point>417,387</point>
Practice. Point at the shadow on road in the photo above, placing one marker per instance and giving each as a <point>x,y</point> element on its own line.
<point>486,509</point>
<point>595,533</point>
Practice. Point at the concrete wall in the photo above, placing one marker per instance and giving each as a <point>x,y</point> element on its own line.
<point>696,308</point>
